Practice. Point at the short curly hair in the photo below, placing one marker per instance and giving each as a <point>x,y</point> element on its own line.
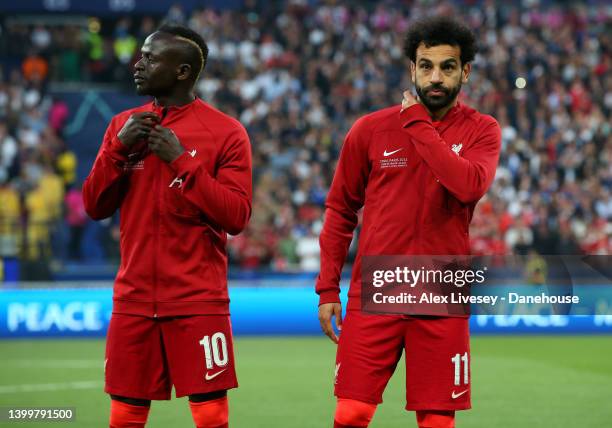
<point>440,30</point>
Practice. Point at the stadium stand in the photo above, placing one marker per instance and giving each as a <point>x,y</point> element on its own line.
<point>297,77</point>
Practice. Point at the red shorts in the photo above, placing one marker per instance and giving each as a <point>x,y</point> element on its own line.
<point>437,359</point>
<point>145,357</point>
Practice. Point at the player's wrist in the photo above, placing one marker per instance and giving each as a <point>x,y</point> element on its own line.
<point>415,113</point>
<point>118,149</point>
<point>330,296</point>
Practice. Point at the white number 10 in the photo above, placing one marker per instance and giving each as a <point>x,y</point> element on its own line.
<point>215,350</point>
<point>457,359</point>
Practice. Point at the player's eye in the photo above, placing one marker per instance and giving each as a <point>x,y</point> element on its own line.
<point>425,66</point>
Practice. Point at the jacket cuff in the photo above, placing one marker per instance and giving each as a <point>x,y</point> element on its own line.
<point>414,113</point>
<point>329,296</point>
<point>118,150</point>
<point>184,162</point>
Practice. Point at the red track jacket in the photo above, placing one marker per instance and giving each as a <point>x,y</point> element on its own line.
<point>174,217</point>
<point>418,182</point>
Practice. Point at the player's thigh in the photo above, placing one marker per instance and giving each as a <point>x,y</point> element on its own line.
<point>437,363</point>
<point>135,365</point>
<point>200,353</point>
<point>368,351</point>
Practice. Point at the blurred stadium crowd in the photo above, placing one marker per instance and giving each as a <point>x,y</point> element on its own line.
<point>297,76</point>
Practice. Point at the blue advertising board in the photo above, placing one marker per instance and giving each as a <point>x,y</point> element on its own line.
<point>255,311</point>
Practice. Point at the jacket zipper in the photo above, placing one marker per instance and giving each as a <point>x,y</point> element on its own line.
<point>422,184</point>
<point>156,227</point>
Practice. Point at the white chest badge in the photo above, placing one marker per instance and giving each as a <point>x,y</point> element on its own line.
<point>456,148</point>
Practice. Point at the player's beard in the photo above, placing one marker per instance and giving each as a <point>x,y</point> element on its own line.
<point>435,103</point>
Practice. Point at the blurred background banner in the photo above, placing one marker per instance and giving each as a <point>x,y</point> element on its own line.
<point>255,311</point>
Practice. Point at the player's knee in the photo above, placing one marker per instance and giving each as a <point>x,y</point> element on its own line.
<point>435,419</point>
<point>211,412</point>
<point>126,415</point>
<point>353,413</point>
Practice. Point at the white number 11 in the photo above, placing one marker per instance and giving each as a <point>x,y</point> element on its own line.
<point>457,359</point>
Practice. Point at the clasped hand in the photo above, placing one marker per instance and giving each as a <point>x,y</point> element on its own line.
<point>163,142</point>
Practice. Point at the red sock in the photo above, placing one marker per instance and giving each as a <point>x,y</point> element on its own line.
<point>436,419</point>
<point>353,413</point>
<point>210,414</point>
<point>123,415</point>
<point>339,425</point>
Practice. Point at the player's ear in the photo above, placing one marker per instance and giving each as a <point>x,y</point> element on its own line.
<point>183,72</point>
<point>467,68</point>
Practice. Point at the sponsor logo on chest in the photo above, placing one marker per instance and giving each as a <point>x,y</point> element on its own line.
<point>393,162</point>
<point>134,162</point>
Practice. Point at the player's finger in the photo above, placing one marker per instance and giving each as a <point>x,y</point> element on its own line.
<point>153,136</point>
<point>338,316</point>
<point>326,325</point>
<point>149,122</point>
<point>154,133</point>
<point>143,133</point>
<point>147,115</point>
<point>154,147</point>
<point>162,130</point>
<point>329,331</point>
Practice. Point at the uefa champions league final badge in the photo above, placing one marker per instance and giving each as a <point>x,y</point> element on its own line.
<point>460,285</point>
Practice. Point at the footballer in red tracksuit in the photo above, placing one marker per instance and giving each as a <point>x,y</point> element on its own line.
<point>417,170</point>
<point>180,188</point>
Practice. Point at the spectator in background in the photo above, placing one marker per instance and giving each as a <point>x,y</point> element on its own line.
<point>67,167</point>
<point>519,237</point>
<point>69,65</point>
<point>76,218</point>
<point>10,217</point>
<point>125,44</point>
<point>38,244</point>
<point>308,251</point>
<point>58,115</point>
<point>99,55</point>
<point>8,154</point>
<point>298,74</point>
<point>35,68</point>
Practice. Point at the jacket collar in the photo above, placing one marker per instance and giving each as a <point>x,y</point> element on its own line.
<point>450,117</point>
<point>164,111</point>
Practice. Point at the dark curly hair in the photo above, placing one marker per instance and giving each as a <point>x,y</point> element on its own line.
<point>440,30</point>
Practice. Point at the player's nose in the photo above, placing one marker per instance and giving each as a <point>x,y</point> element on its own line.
<point>139,66</point>
<point>436,76</point>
